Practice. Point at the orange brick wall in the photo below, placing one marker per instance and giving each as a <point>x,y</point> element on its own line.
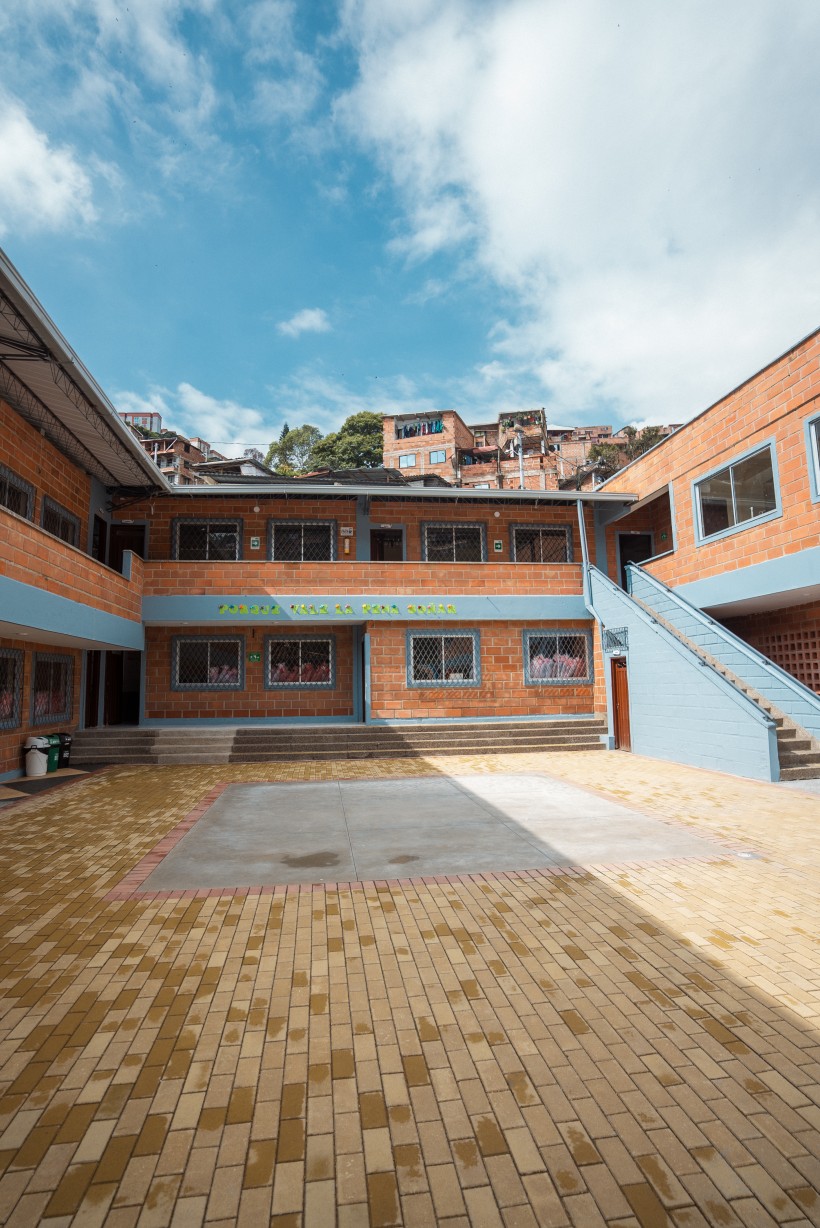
<point>254,701</point>
<point>25,451</point>
<point>789,637</point>
<point>656,518</point>
<point>774,403</point>
<point>502,692</point>
<point>34,557</point>
<point>11,740</point>
<point>455,434</point>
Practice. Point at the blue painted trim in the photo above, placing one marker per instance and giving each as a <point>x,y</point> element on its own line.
<point>553,529</point>
<point>583,680</point>
<point>544,719</point>
<point>773,577</point>
<point>175,685</point>
<point>811,428</point>
<point>454,524</point>
<point>14,774</point>
<point>368,707</point>
<point>673,518</point>
<point>330,685</point>
<point>15,720</point>
<point>204,610</point>
<point>762,446</point>
<point>36,609</point>
<point>187,722</point>
<point>275,521</point>
<point>358,675</point>
<point>143,687</point>
<point>206,521</point>
<point>439,683</point>
<point>52,718</point>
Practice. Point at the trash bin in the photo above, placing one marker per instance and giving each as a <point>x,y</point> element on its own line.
<point>35,754</point>
<point>65,749</point>
<point>53,751</point>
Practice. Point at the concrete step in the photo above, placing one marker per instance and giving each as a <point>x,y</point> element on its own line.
<point>800,773</point>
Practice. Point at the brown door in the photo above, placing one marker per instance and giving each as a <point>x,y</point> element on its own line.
<point>620,704</point>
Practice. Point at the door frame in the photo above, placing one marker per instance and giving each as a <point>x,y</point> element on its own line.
<point>619,533</point>
<point>380,527</point>
<point>616,663</point>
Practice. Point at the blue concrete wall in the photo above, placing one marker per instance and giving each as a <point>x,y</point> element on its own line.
<point>780,688</point>
<point>680,709</point>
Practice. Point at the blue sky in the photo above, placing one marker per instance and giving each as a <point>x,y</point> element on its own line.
<point>246,213</point>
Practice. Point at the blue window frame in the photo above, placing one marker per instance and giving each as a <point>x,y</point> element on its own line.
<point>305,662</point>
<point>737,495</point>
<point>208,663</point>
<point>557,657</point>
<point>438,456</point>
<point>443,658</point>
<point>813,454</point>
<point>51,695</point>
<point>11,687</point>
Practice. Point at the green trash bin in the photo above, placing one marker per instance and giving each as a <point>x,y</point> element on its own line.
<point>53,751</point>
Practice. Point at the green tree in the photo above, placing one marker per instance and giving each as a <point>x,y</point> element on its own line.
<point>606,457</point>
<point>291,452</point>
<point>358,444</point>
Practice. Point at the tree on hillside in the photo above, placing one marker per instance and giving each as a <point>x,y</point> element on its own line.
<point>358,444</point>
<point>291,452</point>
<point>608,458</point>
<point>641,441</point>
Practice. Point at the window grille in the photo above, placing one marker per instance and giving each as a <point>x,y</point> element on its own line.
<point>15,494</point>
<point>552,657</point>
<point>743,491</point>
<point>204,664</point>
<point>307,662</point>
<point>541,544</point>
<point>51,688</point>
<point>302,541</point>
<point>11,687</point>
<point>447,659</point>
<point>208,540</point>
<point>616,639</point>
<point>453,543</point>
<point>57,520</point>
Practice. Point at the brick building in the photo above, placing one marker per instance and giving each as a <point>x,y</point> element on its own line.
<point>258,607</point>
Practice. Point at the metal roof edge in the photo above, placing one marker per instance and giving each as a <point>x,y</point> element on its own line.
<point>27,302</point>
<point>406,492</point>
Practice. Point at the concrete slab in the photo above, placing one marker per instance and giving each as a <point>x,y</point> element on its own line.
<point>336,831</point>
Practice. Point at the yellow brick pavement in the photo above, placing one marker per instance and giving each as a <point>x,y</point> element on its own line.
<point>612,1046</point>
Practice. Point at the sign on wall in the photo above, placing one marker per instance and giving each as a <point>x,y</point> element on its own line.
<point>338,609</point>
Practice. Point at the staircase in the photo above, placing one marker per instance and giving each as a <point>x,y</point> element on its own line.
<point>292,743</point>
<point>794,709</point>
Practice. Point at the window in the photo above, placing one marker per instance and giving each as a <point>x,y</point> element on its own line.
<point>307,662</point>
<point>407,460</point>
<point>15,494</point>
<point>453,543</point>
<point>813,442</point>
<point>541,543</point>
<point>203,664</point>
<point>438,659</point>
<point>552,657</point>
<point>208,540</point>
<point>57,520</point>
<point>438,457</point>
<point>11,687</point>
<point>738,494</point>
<point>302,541</point>
<point>51,688</point>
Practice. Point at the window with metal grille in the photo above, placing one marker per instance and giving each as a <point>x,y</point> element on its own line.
<point>616,639</point>
<point>15,494</point>
<point>51,688</point>
<point>541,543</point>
<point>438,659</point>
<point>742,492</point>
<point>209,540</point>
<point>11,687</point>
<point>302,541</point>
<point>200,663</point>
<point>552,657</point>
<point>306,662</point>
<point>57,520</point>
<point>453,543</point>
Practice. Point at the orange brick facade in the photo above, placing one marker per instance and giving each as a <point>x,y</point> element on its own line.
<point>33,458</point>
<point>11,740</point>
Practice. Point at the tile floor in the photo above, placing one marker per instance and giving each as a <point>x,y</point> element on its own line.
<point>622,1046</point>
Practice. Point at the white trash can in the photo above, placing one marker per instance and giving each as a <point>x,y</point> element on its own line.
<point>35,751</point>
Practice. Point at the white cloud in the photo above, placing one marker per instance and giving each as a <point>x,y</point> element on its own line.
<point>42,186</point>
<point>308,320</point>
<point>641,180</point>
<point>225,424</point>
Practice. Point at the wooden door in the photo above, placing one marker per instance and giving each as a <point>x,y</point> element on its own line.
<point>620,704</point>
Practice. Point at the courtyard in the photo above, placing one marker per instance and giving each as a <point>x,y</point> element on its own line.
<point>558,989</point>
